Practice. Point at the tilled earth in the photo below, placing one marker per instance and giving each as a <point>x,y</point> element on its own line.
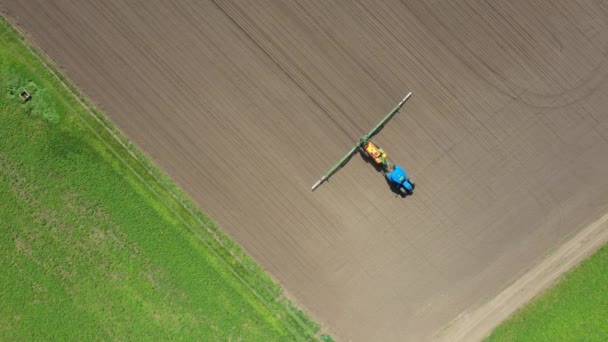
<point>247,103</point>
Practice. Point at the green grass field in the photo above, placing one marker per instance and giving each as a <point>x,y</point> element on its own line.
<point>576,309</point>
<point>95,243</point>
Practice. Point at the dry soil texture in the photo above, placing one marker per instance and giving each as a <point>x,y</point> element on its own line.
<point>247,103</point>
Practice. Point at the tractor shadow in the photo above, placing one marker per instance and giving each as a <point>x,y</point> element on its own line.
<point>379,169</point>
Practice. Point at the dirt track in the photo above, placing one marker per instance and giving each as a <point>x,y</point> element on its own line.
<point>247,105</point>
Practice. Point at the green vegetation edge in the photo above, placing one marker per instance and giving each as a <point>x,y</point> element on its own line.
<point>160,191</point>
<point>574,309</point>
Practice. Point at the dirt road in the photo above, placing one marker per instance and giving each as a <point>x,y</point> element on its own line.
<point>246,104</point>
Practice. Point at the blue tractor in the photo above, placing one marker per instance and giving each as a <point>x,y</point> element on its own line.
<point>395,174</point>
<point>400,181</point>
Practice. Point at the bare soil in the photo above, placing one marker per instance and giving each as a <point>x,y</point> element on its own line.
<point>246,104</point>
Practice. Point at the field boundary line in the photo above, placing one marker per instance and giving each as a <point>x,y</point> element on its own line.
<point>478,324</point>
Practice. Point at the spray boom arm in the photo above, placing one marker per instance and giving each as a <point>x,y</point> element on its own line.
<point>361,142</point>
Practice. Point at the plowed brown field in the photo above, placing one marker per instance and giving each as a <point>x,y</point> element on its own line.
<point>247,103</point>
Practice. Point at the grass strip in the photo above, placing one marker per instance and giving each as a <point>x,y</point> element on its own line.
<point>96,243</point>
<point>575,309</point>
